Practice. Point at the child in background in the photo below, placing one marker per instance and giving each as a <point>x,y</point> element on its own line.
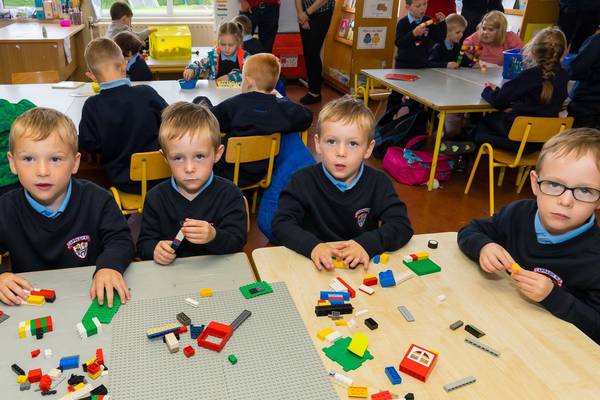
<point>224,62</point>
<point>554,238</point>
<point>585,96</point>
<point>57,221</point>
<point>538,91</point>
<point>474,10</point>
<point>121,119</point>
<point>136,67</point>
<point>251,44</point>
<point>341,199</point>
<point>121,16</point>
<point>258,111</point>
<point>493,38</point>
<point>445,54</point>
<point>209,210</point>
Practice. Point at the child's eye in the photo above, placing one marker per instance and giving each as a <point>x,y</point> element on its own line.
<point>177,158</point>
<point>200,156</point>
<point>353,144</point>
<point>27,158</point>
<point>330,141</point>
<point>555,184</point>
<point>56,159</point>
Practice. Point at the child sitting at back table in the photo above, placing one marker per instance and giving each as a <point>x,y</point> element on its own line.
<point>446,53</point>
<point>208,209</point>
<point>136,67</point>
<point>225,61</point>
<point>121,119</point>
<point>57,221</point>
<point>258,111</point>
<point>121,16</point>
<point>538,91</point>
<point>251,44</point>
<point>341,199</point>
<point>493,38</point>
<point>554,238</point>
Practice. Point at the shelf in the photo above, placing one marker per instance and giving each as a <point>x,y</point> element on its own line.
<point>510,11</point>
<point>344,41</point>
<point>348,10</point>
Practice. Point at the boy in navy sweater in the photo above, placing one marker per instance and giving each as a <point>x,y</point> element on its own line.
<point>251,44</point>
<point>208,210</point>
<point>445,54</point>
<point>585,96</point>
<point>342,200</point>
<point>258,111</point>
<point>121,119</point>
<point>136,67</point>
<point>555,238</point>
<point>57,221</point>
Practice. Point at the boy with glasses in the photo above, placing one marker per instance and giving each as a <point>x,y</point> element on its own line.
<point>555,238</point>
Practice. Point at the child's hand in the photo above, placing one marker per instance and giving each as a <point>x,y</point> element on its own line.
<point>452,65</point>
<point>494,258</point>
<point>440,16</point>
<point>150,30</point>
<point>188,74</point>
<point>354,254</point>
<point>321,255</point>
<point>198,232</point>
<point>419,30</point>
<point>164,253</point>
<point>222,78</point>
<point>109,280</point>
<point>532,285</point>
<point>12,289</point>
<point>490,85</point>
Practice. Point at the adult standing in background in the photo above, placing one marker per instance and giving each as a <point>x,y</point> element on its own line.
<point>314,18</point>
<point>446,7</point>
<point>264,15</point>
<point>578,19</point>
<point>474,10</point>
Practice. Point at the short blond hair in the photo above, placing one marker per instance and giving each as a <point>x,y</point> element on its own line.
<point>456,20</point>
<point>102,52</point>
<point>498,21</point>
<point>182,119</point>
<point>348,111</point>
<point>264,68</point>
<point>39,124</point>
<point>579,142</point>
<point>245,24</point>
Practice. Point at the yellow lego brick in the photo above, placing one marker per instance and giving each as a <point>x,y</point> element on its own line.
<point>515,267</point>
<point>90,361</point>
<point>79,386</point>
<point>36,300</point>
<point>339,264</point>
<point>22,333</point>
<point>341,322</point>
<point>322,334</point>
<point>358,391</point>
<point>96,375</point>
<point>206,292</point>
<point>384,258</point>
<point>422,255</point>
<point>21,379</point>
<point>359,344</point>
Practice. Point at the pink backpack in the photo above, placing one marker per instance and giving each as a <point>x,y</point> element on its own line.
<point>412,167</point>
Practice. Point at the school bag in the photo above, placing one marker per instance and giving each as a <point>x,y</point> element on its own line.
<point>397,132</point>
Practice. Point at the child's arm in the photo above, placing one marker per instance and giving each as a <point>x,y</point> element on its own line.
<point>436,57</point>
<point>150,231</point>
<point>234,76</point>
<point>89,138</point>
<point>580,68</point>
<point>198,69</point>
<point>299,118</point>
<point>404,35</point>
<point>145,33</point>
<point>510,91</point>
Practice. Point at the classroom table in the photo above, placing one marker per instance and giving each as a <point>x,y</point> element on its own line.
<point>542,357</point>
<point>443,90</point>
<point>145,279</point>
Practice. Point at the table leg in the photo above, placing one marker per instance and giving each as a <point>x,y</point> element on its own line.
<point>436,149</point>
<point>366,92</point>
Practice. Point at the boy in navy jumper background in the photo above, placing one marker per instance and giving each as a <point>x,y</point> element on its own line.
<point>136,67</point>
<point>121,119</point>
<point>585,96</point>
<point>251,44</point>
<point>57,221</point>
<point>554,238</point>
<point>445,54</point>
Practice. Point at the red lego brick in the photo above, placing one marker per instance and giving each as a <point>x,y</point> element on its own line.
<point>189,351</point>
<point>70,388</point>
<point>181,330</point>
<point>38,324</point>
<point>35,353</point>
<point>99,356</point>
<point>215,330</point>
<point>350,290</point>
<point>372,281</point>
<point>49,295</point>
<point>418,362</point>
<point>45,383</point>
<point>93,368</point>
<point>385,395</point>
<point>34,375</point>
<point>49,323</point>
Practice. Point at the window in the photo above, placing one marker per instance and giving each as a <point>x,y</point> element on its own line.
<point>17,3</point>
<point>160,8</point>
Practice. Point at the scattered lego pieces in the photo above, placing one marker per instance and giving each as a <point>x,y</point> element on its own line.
<point>35,300</point>
<point>348,287</point>
<point>35,327</point>
<point>183,319</point>
<point>48,353</point>
<point>321,311</point>
<point>371,324</point>
<point>459,383</point>
<point>239,320</point>
<point>418,362</point>
<point>71,362</point>
<point>341,322</point>
<point>21,378</point>
<point>482,346</point>
<point>358,391</point>
<point>206,292</point>
<point>333,336</point>
<point>189,351</point>
<point>256,289</point>
<point>455,325</point>
<point>359,344</point>
<point>422,255</point>
<point>162,330</point>
<point>93,370</point>
<point>196,330</point>
<point>215,330</point>
<point>17,370</point>
<point>474,331</point>
<point>339,353</point>
<point>386,278</point>
<point>406,314</point>
<point>232,359</point>
<point>370,280</point>
<point>34,375</point>
<point>432,244</point>
<point>48,294</point>
<point>384,395</point>
<point>366,289</point>
<point>35,353</point>
<point>192,302</point>
<point>322,334</point>
<point>393,375</point>
<point>340,378</point>
<point>172,342</point>
<point>361,312</point>
<point>24,386</point>
<point>441,298</point>
<point>421,266</point>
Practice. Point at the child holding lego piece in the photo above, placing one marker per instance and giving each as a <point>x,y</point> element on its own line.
<point>209,210</point>
<point>136,68</point>
<point>57,221</point>
<point>554,238</point>
<point>447,53</point>
<point>122,16</point>
<point>225,61</point>
<point>342,200</point>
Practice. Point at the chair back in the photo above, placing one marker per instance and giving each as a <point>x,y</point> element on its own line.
<point>244,149</point>
<point>148,166</point>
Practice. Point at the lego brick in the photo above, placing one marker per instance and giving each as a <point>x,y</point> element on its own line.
<point>55,373</point>
<point>455,325</point>
<point>348,287</point>
<point>327,295</point>
<point>376,259</point>
<point>206,292</point>
<point>337,286</point>
<point>76,379</point>
<point>49,393</point>
<point>215,330</point>
<point>35,300</point>
<point>321,311</point>
<point>384,395</point>
<point>172,342</point>
<point>100,356</point>
<point>17,370</point>
<point>359,344</point>
<point>474,331</point>
<point>162,330</point>
<point>385,257</point>
<point>441,298</point>
<point>406,314</point>
<point>393,375</point>
<point>189,351</point>
<point>423,267</point>
<point>418,362</point>
<point>232,359</point>
<point>340,378</point>
<point>358,391</point>
<point>24,386</point>
<point>482,346</point>
<point>333,336</point>
<point>370,280</point>
<point>257,288</point>
<point>34,375</point>
<point>361,312</point>
<point>341,322</point>
<point>45,383</point>
<point>351,323</point>
<point>102,312</point>
<point>81,392</point>
<point>322,334</point>
<point>459,383</point>
<point>366,289</point>
<point>192,302</point>
<point>182,329</point>
<point>183,319</point>
<point>71,362</point>
<point>177,240</point>
<point>386,278</point>
<point>514,267</point>
<point>35,353</point>
<point>21,378</point>
<point>196,330</point>
<point>48,353</point>
<point>244,315</point>
<point>432,244</point>
<point>371,324</point>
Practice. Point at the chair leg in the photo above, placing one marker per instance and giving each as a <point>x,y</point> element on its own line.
<point>519,176</point>
<point>523,179</point>
<point>501,176</point>
<point>491,173</point>
<point>254,201</point>
<point>474,170</point>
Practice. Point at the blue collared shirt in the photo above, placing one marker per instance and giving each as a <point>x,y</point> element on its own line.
<point>341,185</point>
<point>247,37</point>
<point>545,237</point>
<point>115,83</point>
<point>232,57</point>
<point>449,45</point>
<point>48,212</point>
<point>131,61</point>
<point>206,184</point>
<point>412,19</point>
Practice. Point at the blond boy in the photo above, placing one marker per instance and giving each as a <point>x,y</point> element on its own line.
<point>209,210</point>
<point>342,200</point>
<point>57,221</point>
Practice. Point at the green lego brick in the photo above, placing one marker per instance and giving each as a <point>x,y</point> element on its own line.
<point>256,289</point>
<point>90,328</point>
<point>232,359</point>
<point>104,314</point>
<point>339,353</point>
<point>32,327</point>
<point>423,267</point>
<point>44,326</point>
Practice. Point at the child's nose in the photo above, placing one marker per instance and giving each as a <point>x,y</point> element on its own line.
<point>42,168</point>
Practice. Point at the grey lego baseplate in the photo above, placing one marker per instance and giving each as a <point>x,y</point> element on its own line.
<point>276,356</point>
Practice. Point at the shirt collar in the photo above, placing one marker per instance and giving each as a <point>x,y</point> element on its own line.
<point>131,61</point>
<point>341,185</point>
<point>412,19</point>
<point>115,83</point>
<point>206,184</point>
<point>45,211</point>
<point>545,237</point>
<point>449,45</point>
<point>232,57</point>
<point>247,37</point>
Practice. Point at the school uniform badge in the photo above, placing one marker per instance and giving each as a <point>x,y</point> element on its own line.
<point>557,280</point>
<point>361,216</point>
<point>79,245</point>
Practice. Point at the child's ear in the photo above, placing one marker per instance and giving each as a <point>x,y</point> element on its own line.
<point>533,178</point>
<point>317,144</point>
<point>369,149</point>
<point>76,164</point>
<point>91,76</point>
<point>219,153</point>
<point>123,67</point>
<point>11,162</point>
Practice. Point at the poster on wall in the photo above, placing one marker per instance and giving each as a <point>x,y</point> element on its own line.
<point>377,9</point>
<point>372,37</point>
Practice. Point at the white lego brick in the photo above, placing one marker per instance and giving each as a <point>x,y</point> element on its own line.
<point>333,336</point>
<point>366,289</point>
<point>361,312</point>
<point>459,383</point>
<point>403,276</point>
<point>55,373</point>
<point>192,302</point>
<point>337,286</point>
<point>351,323</point>
<point>96,322</point>
<point>48,353</point>
<point>81,330</point>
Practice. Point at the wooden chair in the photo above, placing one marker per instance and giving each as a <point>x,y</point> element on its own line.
<point>35,77</point>
<point>246,149</point>
<point>524,130</point>
<point>247,214</point>
<point>377,94</point>
<point>144,167</point>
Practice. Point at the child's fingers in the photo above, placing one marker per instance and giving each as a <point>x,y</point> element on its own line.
<point>99,291</point>
<point>326,261</point>
<point>8,297</point>
<point>121,289</point>
<point>109,293</point>
<point>16,289</point>
<point>317,261</point>
<point>23,282</point>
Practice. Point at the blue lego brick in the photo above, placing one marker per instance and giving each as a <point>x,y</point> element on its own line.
<point>376,259</point>
<point>393,375</point>
<point>71,362</point>
<point>325,295</point>
<point>386,278</point>
<point>196,330</point>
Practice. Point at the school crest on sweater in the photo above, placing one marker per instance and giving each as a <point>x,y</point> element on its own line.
<point>361,216</point>
<point>79,245</point>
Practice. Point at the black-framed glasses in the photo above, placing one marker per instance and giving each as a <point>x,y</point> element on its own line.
<point>584,194</point>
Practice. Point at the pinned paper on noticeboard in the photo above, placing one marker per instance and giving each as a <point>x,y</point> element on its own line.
<point>371,37</point>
